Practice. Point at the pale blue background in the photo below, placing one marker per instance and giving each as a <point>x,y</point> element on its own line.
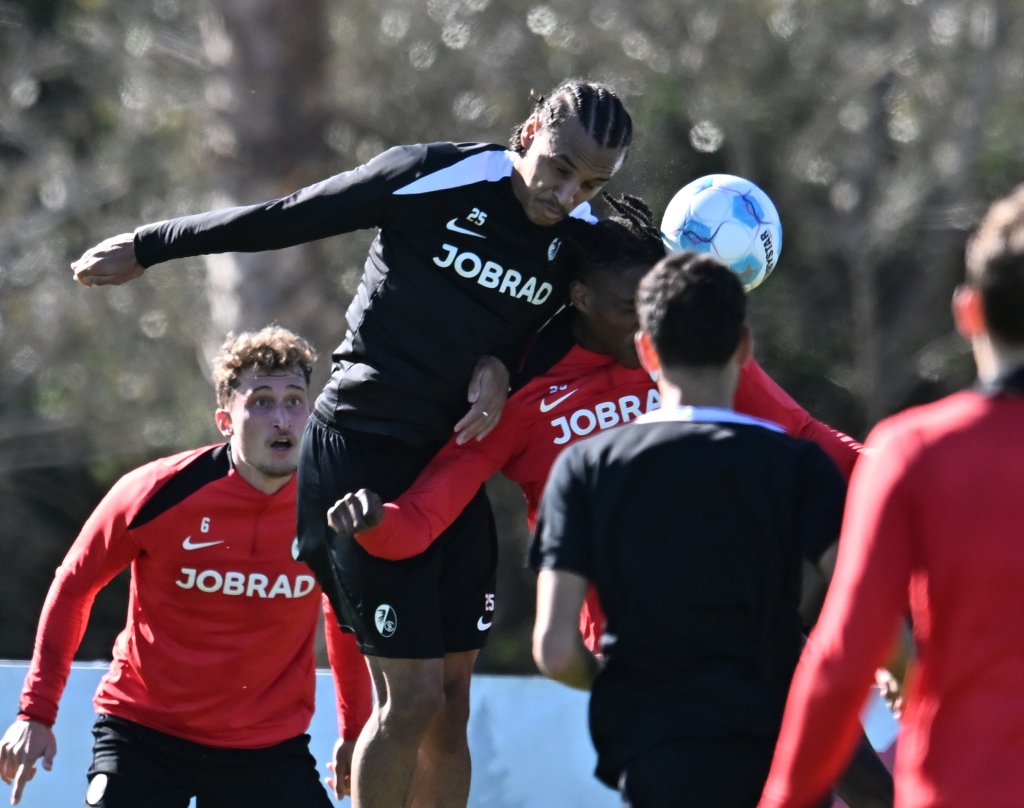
<point>527,735</point>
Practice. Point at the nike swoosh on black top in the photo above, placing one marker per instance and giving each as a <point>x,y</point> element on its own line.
<point>452,226</point>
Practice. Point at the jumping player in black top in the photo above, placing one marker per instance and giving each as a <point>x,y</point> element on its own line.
<point>692,523</point>
<point>463,270</point>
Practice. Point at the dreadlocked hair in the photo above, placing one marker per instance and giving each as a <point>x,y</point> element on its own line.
<point>625,240</point>
<point>595,106</point>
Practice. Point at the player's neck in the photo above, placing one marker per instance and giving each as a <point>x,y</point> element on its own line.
<point>995,360</point>
<point>264,483</point>
<point>585,337</point>
<point>698,387</point>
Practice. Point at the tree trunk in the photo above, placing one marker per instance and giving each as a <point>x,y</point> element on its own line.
<point>268,93</point>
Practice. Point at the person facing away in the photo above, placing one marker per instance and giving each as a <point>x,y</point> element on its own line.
<point>212,682</point>
<point>935,522</point>
<point>581,376</point>
<point>692,524</point>
<point>463,270</point>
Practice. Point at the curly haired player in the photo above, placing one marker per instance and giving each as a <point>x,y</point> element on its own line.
<point>212,682</point>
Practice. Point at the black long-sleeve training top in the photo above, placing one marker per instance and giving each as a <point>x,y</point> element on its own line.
<point>456,272</point>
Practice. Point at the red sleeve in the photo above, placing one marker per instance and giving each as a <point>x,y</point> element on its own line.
<point>440,493</point>
<point>592,621</point>
<point>102,550</point>
<point>855,632</point>
<point>758,395</point>
<point>351,677</point>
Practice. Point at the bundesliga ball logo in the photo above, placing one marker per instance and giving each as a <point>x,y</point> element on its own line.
<point>729,218</point>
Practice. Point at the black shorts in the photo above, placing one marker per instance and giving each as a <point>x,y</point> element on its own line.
<point>698,773</point>
<point>134,766</point>
<point>439,602</point>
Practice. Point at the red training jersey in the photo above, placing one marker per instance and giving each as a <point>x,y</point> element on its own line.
<point>218,647</point>
<point>934,519</point>
<point>580,395</point>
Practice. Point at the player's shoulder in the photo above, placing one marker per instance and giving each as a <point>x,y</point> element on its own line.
<point>151,489</point>
<point>917,430</point>
<point>430,167</point>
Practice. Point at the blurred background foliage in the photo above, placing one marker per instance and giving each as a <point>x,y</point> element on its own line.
<point>881,129</point>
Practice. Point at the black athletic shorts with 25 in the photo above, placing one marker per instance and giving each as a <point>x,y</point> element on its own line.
<point>438,602</point>
<point>134,766</point>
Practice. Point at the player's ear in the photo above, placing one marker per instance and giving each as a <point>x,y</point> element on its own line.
<point>529,132</point>
<point>648,356</point>
<point>968,313</point>
<point>224,424</point>
<point>579,296</point>
<point>745,348</point>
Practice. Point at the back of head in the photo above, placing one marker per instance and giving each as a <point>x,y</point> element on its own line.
<point>269,351</point>
<point>694,309</point>
<point>995,266</point>
<point>594,105</point>
<point>628,239</point>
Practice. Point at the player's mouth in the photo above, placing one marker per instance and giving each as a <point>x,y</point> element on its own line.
<point>553,213</point>
<point>282,444</point>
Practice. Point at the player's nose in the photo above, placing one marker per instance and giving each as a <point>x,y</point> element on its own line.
<point>566,194</point>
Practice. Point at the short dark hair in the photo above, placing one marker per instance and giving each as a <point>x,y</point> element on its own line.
<point>995,266</point>
<point>595,106</point>
<point>270,350</point>
<point>693,308</point>
<point>626,239</point>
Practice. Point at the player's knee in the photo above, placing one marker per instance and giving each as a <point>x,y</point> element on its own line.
<point>414,707</point>
<point>456,702</point>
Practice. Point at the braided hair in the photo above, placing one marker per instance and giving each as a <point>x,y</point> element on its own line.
<point>595,106</point>
<point>624,240</point>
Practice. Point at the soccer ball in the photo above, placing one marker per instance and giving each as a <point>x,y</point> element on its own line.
<point>729,218</point>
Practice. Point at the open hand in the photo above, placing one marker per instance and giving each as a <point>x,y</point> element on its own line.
<point>356,513</point>
<point>341,769</point>
<point>22,745</point>
<point>488,392</point>
<point>109,263</point>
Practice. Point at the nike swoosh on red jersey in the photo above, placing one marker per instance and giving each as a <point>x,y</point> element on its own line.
<point>188,544</point>
<point>452,226</point>
<point>545,407</point>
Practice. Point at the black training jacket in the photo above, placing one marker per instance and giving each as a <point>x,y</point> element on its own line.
<point>457,271</point>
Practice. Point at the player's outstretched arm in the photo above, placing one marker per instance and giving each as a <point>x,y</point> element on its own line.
<point>109,263</point>
<point>22,745</point>
<point>487,394</point>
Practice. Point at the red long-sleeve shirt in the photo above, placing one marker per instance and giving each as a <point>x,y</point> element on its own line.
<point>581,394</point>
<point>934,518</point>
<point>218,646</point>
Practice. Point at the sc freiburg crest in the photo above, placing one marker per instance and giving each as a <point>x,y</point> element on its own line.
<point>386,620</point>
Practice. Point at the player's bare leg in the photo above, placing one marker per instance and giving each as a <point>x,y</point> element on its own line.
<point>410,694</point>
<point>442,774</point>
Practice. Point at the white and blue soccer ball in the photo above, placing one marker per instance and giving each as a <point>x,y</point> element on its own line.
<point>729,218</point>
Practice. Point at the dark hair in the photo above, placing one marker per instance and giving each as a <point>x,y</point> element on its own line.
<point>627,239</point>
<point>995,266</point>
<point>694,308</point>
<point>269,350</point>
<point>595,106</point>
